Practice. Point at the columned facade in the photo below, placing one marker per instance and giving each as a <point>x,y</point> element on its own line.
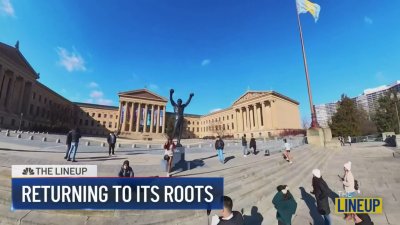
<point>143,114</point>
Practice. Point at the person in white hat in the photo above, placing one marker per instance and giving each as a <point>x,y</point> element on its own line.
<point>321,192</point>
<point>348,180</point>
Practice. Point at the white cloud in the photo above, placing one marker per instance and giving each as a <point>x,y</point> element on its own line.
<point>96,94</point>
<point>205,62</point>
<point>103,101</point>
<point>98,98</point>
<point>153,86</point>
<point>71,61</point>
<point>368,20</point>
<point>215,110</point>
<point>93,84</point>
<point>7,8</point>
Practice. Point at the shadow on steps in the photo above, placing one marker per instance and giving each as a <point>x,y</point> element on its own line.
<point>254,219</point>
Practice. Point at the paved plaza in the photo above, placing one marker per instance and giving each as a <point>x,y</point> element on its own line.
<point>251,181</point>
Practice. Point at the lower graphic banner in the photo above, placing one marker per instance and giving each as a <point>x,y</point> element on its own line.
<point>99,193</point>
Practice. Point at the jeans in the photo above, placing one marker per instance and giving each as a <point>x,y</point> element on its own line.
<point>111,147</point>
<point>72,151</point>
<point>327,219</point>
<point>245,152</point>
<point>220,153</point>
<point>67,152</point>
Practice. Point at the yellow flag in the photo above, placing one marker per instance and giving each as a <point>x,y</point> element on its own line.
<point>304,6</point>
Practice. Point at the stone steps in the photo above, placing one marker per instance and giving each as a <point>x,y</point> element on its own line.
<point>110,214</point>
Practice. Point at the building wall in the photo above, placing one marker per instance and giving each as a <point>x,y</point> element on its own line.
<point>97,119</point>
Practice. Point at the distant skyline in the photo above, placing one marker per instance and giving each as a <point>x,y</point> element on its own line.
<point>88,51</point>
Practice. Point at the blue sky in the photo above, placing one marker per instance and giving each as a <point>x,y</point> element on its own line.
<point>90,50</point>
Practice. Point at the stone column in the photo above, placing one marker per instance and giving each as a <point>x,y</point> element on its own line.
<point>257,119</point>
<point>243,119</point>
<point>163,124</point>
<point>263,111</point>
<point>2,83</point>
<point>145,118</point>
<point>251,110</point>
<point>158,120</point>
<point>131,119</point>
<point>21,97</point>
<point>119,116</point>
<point>8,91</point>
<point>151,119</point>
<point>139,111</point>
<point>249,125</point>
<point>125,114</point>
<point>236,120</point>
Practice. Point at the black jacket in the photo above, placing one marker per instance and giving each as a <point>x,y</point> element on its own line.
<point>126,173</point>
<point>109,141</point>
<point>69,138</point>
<point>219,144</point>
<point>252,142</point>
<point>321,192</point>
<point>75,135</point>
<point>244,141</point>
<point>237,219</point>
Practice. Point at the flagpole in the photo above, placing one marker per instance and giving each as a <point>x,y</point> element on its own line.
<point>314,122</point>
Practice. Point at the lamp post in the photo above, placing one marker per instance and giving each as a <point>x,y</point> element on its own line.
<point>392,96</point>
<point>20,121</point>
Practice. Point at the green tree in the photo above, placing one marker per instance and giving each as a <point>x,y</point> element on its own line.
<point>348,119</point>
<point>385,115</point>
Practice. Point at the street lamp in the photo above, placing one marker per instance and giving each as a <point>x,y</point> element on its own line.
<point>395,105</point>
<point>20,121</point>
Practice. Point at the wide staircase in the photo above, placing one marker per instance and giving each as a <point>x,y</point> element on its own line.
<point>251,182</point>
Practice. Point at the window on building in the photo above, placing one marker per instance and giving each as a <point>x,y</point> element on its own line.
<point>197,129</point>
<point>232,116</point>
<point>37,111</point>
<point>111,116</point>
<point>109,124</point>
<point>92,123</point>
<point>45,100</point>
<point>233,127</point>
<point>115,125</point>
<point>116,117</point>
<point>86,122</point>
<point>40,98</point>
<point>34,95</point>
<point>50,102</point>
<point>105,115</point>
<point>80,121</point>
<point>104,123</point>
<point>99,115</point>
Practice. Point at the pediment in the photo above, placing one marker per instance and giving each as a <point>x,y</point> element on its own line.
<point>142,94</point>
<point>249,95</point>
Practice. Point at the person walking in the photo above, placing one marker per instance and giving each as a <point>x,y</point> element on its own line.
<point>75,136</point>
<point>111,140</point>
<point>321,192</point>
<point>253,144</point>
<point>169,148</point>
<point>285,205</point>
<point>126,170</point>
<point>244,145</point>
<point>349,140</point>
<point>228,216</point>
<point>219,146</point>
<point>348,180</point>
<point>287,151</point>
<point>68,143</point>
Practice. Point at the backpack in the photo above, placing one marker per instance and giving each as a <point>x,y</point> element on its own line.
<point>356,186</point>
